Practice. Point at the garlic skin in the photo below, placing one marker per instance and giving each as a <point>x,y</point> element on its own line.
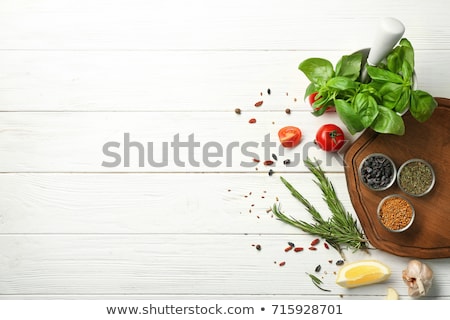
<point>418,277</point>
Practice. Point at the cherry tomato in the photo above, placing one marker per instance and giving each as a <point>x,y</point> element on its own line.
<point>290,136</point>
<point>313,97</point>
<point>330,137</point>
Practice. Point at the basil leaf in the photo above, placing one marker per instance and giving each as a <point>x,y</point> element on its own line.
<point>388,121</point>
<point>407,71</point>
<point>310,90</point>
<point>366,107</point>
<point>390,93</point>
<point>403,101</point>
<point>394,60</point>
<point>383,75</point>
<point>317,70</point>
<point>407,51</point>
<point>348,116</point>
<point>349,66</point>
<point>341,83</point>
<point>422,105</point>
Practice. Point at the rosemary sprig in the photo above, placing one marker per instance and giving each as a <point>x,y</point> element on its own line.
<point>317,282</point>
<point>340,229</point>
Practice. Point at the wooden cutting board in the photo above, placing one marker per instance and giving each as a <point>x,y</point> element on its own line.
<point>429,236</point>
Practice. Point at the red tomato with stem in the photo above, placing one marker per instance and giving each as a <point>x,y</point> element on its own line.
<point>289,136</point>
<point>330,137</point>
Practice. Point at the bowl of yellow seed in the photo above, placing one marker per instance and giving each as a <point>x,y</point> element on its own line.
<point>396,213</point>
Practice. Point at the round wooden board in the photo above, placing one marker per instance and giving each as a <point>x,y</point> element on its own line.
<point>429,237</point>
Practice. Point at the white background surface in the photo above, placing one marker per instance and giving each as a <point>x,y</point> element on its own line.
<point>77,74</point>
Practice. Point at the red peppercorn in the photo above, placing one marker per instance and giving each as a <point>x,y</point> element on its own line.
<point>252,120</point>
<point>287,249</point>
<point>312,248</point>
<point>326,245</point>
<point>259,103</point>
<point>298,249</point>
<point>315,242</point>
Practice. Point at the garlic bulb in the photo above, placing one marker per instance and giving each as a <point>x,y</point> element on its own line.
<point>418,277</point>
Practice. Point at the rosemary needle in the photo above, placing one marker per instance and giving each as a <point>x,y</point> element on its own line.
<point>317,282</point>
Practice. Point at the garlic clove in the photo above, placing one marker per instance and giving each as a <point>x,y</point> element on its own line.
<point>392,294</point>
<point>418,277</point>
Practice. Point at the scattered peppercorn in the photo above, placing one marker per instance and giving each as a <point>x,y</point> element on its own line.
<point>274,156</point>
<point>298,249</point>
<point>268,162</point>
<point>315,242</point>
<point>288,111</point>
<point>252,120</point>
<point>339,262</point>
<point>326,245</point>
<point>291,244</point>
<point>286,162</point>
<point>312,248</point>
<point>269,91</point>
<point>258,247</point>
<point>289,248</point>
<point>282,263</point>
<point>237,111</point>
<point>270,173</point>
<point>318,268</point>
<point>259,103</point>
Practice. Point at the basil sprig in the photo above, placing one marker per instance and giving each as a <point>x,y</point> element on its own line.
<point>378,104</point>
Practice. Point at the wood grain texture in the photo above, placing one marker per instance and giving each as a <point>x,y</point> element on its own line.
<point>224,141</point>
<point>214,203</point>
<point>176,264</point>
<point>213,25</point>
<point>135,80</point>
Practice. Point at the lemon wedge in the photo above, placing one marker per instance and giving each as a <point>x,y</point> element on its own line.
<point>361,273</point>
<point>392,294</point>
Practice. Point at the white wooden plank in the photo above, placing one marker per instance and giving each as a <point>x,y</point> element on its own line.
<point>224,141</point>
<point>182,265</point>
<point>173,80</point>
<point>269,24</point>
<point>155,203</point>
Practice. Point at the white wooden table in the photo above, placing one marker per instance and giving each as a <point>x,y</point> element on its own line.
<point>75,75</point>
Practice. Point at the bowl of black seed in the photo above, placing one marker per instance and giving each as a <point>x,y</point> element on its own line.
<point>377,171</point>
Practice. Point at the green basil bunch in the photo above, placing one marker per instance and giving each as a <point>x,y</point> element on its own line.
<point>377,104</point>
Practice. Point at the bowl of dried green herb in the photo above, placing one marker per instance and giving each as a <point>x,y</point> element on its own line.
<point>416,177</point>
